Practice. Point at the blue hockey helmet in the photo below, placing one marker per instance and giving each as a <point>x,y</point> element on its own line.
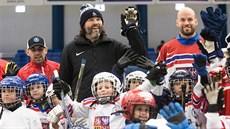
<point>11,84</point>
<point>34,79</point>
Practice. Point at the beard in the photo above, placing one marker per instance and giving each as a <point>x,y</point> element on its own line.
<point>94,32</point>
<point>188,31</point>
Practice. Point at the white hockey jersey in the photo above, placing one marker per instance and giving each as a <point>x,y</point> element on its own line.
<point>99,115</point>
<point>21,118</point>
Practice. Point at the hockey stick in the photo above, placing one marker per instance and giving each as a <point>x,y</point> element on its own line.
<point>183,87</point>
<point>80,75</point>
<point>64,102</point>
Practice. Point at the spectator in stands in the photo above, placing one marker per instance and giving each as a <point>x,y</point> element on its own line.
<point>178,52</point>
<point>37,50</point>
<point>160,46</point>
<point>100,51</point>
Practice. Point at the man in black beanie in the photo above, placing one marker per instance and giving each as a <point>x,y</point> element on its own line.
<point>98,52</point>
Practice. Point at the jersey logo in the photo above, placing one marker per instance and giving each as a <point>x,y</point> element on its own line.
<point>168,54</point>
<point>77,54</point>
<point>102,122</point>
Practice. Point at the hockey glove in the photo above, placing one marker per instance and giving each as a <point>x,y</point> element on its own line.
<point>211,49</point>
<point>129,20</point>
<point>215,20</point>
<point>54,115</point>
<point>59,86</point>
<point>175,116</point>
<point>139,126</point>
<point>11,69</point>
<point>157,73</point>
<point>128,58</point>
<point>214,95</point>
<point>200,64</point>
<point>145,63</point>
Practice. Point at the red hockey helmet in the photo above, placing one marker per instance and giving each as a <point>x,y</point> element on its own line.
<point>136,97</point>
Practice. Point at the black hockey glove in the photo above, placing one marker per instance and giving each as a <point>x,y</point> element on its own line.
<point>129,20</point>
<point>128,58</point>
<point>59,86</point>
<point>11,69</point>
<point>215,20</point>
<point>157,73</point>
<point>214,95</point>
<point>145,63</point>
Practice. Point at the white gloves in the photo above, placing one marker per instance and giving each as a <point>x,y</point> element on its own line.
<point>55,114</point>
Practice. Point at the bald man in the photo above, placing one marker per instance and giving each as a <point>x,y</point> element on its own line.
<point>178,54</point>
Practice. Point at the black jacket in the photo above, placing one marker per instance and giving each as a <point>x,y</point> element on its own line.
<point>100,56</point>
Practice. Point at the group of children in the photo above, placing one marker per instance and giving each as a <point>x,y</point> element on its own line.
<point>116,106</point>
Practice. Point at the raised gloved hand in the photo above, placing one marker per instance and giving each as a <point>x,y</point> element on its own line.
<point>214,95</point>
<point>128,58</point>
<point>11,69</point>
<point>59,86</point>
<point>157,73</point>
<point>200,64</point>
<point>215,20</point>
<point>129,19</point>
<point>175,116</point>
<point>145,63</point>
<point>139,126</point>
<point>211,49</point>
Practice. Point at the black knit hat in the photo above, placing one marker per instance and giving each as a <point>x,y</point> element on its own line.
<point>88,11</point>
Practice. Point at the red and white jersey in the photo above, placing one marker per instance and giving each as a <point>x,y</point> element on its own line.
<point>42,111</point>
<point>21,118</point>
<point>178,56</point>
<point>99,115</point>
<point>195,116</point>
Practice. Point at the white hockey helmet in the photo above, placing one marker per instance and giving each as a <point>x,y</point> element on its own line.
<point>105,76</point>
<point>136,75</point>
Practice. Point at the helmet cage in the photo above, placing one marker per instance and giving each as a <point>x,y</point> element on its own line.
<point>190,82</point>
<point>18,99</point>
<point>105,77</point>
<point>28,88</point>
<point>106,99</point>
<point>136,76</point>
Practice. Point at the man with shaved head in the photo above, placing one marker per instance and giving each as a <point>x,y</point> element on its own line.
<point>178,55</point>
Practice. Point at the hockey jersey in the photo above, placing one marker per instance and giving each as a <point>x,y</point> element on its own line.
<point>178,54</point>
<point>99,115</point>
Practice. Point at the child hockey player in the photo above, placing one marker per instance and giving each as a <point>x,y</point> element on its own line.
<point>13,114</point>
<point>105,89</point>
<point>134,79</point>
<point>138,107</point>
<point>36,86</point>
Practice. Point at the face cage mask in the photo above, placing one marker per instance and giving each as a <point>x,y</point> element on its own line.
<point>127,88</point>
<point>187,95</point>
<point>106,99</point>
<point>37,101</point>
<point>18,100</point>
